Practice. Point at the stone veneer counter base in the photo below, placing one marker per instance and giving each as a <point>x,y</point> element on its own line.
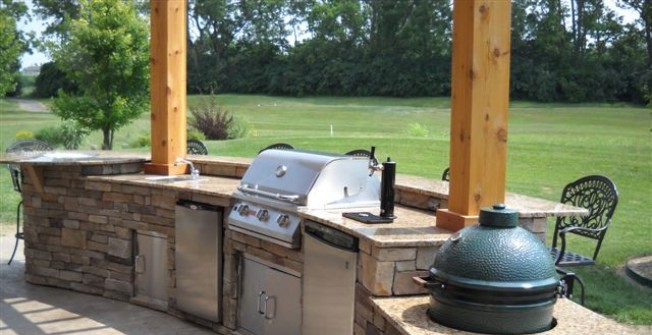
<point>408,316</point>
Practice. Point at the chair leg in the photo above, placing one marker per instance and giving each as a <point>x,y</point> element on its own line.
<point>18,234</point>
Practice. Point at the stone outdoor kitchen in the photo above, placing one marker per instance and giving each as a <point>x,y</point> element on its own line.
<point>114,224</point>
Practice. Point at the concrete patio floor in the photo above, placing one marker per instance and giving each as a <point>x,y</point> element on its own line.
<point>36,310</point>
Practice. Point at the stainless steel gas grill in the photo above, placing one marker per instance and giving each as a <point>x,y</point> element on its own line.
<point>279,183</point>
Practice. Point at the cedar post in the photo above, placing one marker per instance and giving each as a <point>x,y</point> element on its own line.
<point>479,109</point>
<point>168,86</point>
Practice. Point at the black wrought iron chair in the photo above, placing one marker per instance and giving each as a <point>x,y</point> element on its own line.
<point>17,178</point>
<point>196,147</point>
<point>599,196</point>
<point>278,146</point>
<point>446,176</point>
<point>359,153</point>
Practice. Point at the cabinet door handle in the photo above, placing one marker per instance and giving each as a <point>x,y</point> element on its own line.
<point>273,314</point>
<point>260,295</point>
<point>141,266</point>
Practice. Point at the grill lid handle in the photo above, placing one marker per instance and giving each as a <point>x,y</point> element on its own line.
<point>279,196</point>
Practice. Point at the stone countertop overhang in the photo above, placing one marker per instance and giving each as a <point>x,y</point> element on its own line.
<point>527,207</point>
<point>413,227</point>
<point>408,316</point>
<point>73,158</point>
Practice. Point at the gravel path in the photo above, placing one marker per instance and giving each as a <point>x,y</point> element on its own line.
<point>31,106</point>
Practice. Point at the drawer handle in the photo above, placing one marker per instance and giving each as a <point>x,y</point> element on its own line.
<point>273,314</point>
<point>141,266</point>
<point>260,295</point>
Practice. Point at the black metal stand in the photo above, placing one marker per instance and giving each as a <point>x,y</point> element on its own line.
<point>19,236</point>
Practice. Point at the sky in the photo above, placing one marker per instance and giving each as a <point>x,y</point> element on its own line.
<point>37,26</point>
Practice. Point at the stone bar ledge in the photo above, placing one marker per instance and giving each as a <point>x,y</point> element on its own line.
<point>527,207</point>
<point>407,316</point>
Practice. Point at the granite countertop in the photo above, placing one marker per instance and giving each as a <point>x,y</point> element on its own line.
<point>525,205</point>
<point>73,157</point>
<point>408,316</point>
<point>224,161</point>
<point>412,227</point>
<point>221,187</point>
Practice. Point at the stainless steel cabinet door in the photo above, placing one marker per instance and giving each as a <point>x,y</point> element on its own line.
<point>151,266</point>
<point>328,288</point>
<point>198,259</point>
<point>251,298</point>
<point>282,304</point>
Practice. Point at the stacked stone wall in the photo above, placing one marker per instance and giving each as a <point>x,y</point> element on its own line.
<point>79,232</point>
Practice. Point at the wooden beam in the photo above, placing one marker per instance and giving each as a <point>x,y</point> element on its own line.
<point>479,109</point>
<point>35,174</point>
<point>168,86</point>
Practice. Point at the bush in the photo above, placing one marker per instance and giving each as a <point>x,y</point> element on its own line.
<point>241,128</point>
<point>213,120</point>
<point>50,135</point>
<point>68,135</point>
<point>142,141</point>
<point>417,130</point>
<point>24,135</point>
<point>194,134</point>
<point>72,135</point>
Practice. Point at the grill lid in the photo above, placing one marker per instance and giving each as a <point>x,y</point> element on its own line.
<point>493,278</point>
<point>495,254</point>
<point>312,179</point>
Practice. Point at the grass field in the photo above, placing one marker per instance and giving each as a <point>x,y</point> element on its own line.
<point>549,146</point>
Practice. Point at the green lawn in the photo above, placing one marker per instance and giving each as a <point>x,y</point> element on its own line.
<point>549,146</point>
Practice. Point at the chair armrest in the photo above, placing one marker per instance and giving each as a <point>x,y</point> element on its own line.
<point>562,235</point>
<point>563,232</point>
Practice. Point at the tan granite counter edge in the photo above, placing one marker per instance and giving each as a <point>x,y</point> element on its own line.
<point>412,228</point>
<point>221,187</point>
<point>408,316</point>
<point>95,158</point>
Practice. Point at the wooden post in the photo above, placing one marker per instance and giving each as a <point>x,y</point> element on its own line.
<point>479,109</point>
<point>168,86</point>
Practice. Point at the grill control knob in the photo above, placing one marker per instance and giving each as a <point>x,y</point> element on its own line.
<point>243,210</point>
<point>283,220</point>
<point>262,215</point>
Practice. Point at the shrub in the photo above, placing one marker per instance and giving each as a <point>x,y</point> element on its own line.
<point>417,130</point>
<point>68,135</point>
<point>24,135</point>
<point>50,135</point>
<point>144,140</point>
<point>72,134</point>
<point>212,119</point>
<point>194,134</point>
<point>241,128</point>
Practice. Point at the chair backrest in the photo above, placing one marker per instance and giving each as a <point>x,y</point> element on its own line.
<point>23,146</point>
<point>278,146</point>
<point>14,170</point>
<point>359,153</point>
<point>446,176</point>
<point>196,147</point>
<point>598,194</point>
<point>28,145</point>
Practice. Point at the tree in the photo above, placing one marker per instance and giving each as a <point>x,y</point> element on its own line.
<point>60,12</point>
<point>11,44</point>
<point>50,80</point>
<point>107,56</point>
<point>644,10</point>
